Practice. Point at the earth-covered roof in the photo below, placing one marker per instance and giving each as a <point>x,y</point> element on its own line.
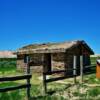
<point>51,47</point>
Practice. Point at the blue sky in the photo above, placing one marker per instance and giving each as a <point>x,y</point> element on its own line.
<point>24,22</point>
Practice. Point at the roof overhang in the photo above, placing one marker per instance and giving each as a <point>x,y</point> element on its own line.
<point>31,51</point>
<point>58,48</point>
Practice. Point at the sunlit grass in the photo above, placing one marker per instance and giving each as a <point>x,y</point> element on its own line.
<point>62,90</point>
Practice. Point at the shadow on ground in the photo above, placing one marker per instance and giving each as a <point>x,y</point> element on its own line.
<point>50,94</point>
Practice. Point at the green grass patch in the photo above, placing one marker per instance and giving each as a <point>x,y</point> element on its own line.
<point>62,91</point>
<point>95,91</point>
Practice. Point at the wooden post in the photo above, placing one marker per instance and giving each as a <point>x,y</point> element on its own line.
<point>47,63</point>
<point>44,83</point>
<point>74,68</point>
<point>65,64</point>
<point>81,68</point>
<point>46,69</point>
<point>28,80</point>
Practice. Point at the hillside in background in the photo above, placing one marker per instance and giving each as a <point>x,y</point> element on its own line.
<point>7,54</point>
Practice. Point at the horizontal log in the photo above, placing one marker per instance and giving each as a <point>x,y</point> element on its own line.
<point>53,72</point>
<point>58,71</point>
<point>31,51</point>
<point>14,78</point>
<point>89,71</point>
<point>14,87</point>
<point>85,67</point>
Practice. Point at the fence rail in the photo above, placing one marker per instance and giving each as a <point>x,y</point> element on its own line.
<point>26,77</point>
<point>86,70</point>
<point>14,78</point>
<point>10,88</point>
<point>58,71</point>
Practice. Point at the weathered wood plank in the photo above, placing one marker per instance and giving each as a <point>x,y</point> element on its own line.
<point>59,71</point>
<point>81,68</point>
<point>74,67</point>
<point>14,78</point>
<point>28,72</point>
<point>14,87</point>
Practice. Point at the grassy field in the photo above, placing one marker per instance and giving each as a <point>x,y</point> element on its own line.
<point>60,90</point>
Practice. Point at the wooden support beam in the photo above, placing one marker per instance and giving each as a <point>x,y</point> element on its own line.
<point>74,67</point>
<point>47,63</point>
<point>46,69</point>
<point>28,72</point>
<point>81,68</point>
<point>44,83</point>
<point>65,63</point>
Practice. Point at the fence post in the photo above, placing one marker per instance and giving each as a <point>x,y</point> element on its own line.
<point>74,68</point>
<point>28,80</point>
<point>44,83</point>
<point>81,68</point>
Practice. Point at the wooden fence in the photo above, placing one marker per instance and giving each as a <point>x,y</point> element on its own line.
<point>45,80</point>
<point>10,88</point>
<point>83,70</point>
<point>27,77</point>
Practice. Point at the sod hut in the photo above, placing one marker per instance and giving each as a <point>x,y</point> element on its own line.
<point>54,56</point>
